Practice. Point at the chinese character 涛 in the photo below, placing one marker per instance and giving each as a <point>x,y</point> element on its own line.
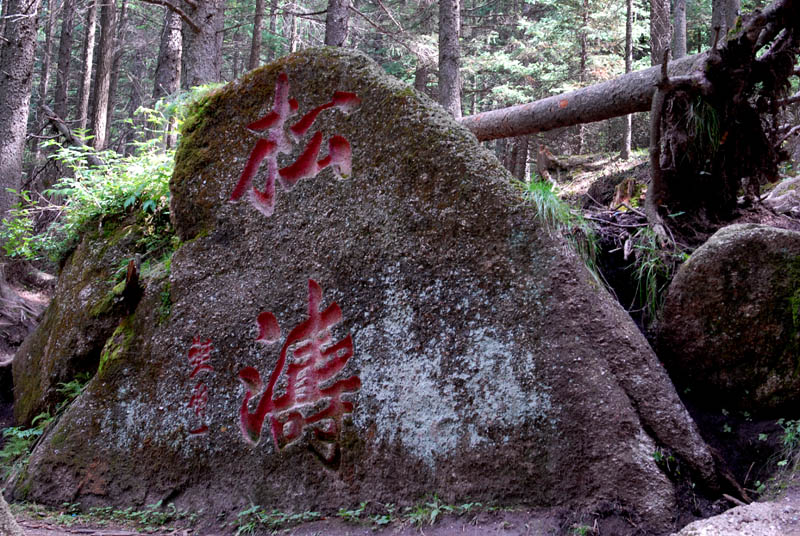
<point>308,361</point>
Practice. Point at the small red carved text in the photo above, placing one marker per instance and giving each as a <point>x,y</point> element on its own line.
<point>308,360</point>
<point>199,357</point>
<point>278,141</point>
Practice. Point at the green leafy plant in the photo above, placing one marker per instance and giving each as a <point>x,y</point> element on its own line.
<point>790,444</point>
<point>652,270</point>
<point>255,517</point>
<point>557,216</point>
<point>71,389</point>
<point>123,184</point>
<point>18,442</point>
<point>353,515</point>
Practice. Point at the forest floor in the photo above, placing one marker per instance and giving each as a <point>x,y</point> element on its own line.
<point>506,522</point>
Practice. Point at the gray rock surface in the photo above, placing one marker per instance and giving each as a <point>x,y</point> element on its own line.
<point>487,364</point>
<point>780,517</point>
<point>730,328</point>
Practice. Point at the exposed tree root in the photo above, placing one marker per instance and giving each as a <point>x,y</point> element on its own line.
<point>714,132</point>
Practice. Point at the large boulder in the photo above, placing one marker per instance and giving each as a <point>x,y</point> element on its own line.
<point>84,312</point>
<point>410,330</point>
<point>730,328</point>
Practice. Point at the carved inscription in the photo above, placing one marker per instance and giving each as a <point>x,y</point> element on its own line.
<point>308,362</point>
<point>278,141</point>
<point>199,359</point>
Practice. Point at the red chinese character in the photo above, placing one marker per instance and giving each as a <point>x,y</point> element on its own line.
<point>308,359</point>
<point>198,402</point>
<point>199,356</point>
<point>277,141</point>
<point>199,399</point>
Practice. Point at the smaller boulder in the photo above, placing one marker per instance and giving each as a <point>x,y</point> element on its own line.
<point>730,328</point>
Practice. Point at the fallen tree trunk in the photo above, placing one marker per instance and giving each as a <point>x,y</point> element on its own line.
<point>626,94</point>
<point>629,93</point>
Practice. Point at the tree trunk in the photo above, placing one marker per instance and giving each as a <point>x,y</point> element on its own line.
<point>629,93</point>
<point>584,42</point>
<point>44,76</point>
<point>679,38</point>
<point>660,30</point>
<point>115,66</point>
<point>291,29</point>
<point>449,57</point>
<point>167,78</point>
<point>521,165</point>
<point>64,56</point>
<point>8,525</point>
<point>421,77</point>
<point>723,15</point>
<point>102,81</point>
<point>336,22</point>
<point>255,45</point>
<point>88,60</point>
<point>137,75</point>
<point>16,75</point>
<point>273,27</point>
<point>627,132</point>
<point>202,50</point>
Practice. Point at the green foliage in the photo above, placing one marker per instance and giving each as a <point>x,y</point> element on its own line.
<point>18,442</point>
<point>153,517</point>
<point>71,389</point>
<point>354,515</point>
<point>429,512</point>
<point>582,530</point>
<point>790,444</point>
<point>558,216</point>
<point>124,184</point>
<point>703,127</point>
<point>255,517</point>
<point>652,269</point>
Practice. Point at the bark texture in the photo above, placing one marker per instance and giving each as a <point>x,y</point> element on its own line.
<point>202,51</point>
<point>88,59</point>
<point>336,22</point>
<point>449,57</point>
<point>629,93</point>
<point>627,133</point>
<point>660,30</point>
<point>16,74</point>
<point>168,69</point>
<point>723,15</point>
<point>679,30</point>
<point>255,46</point>
<point>102,81</point>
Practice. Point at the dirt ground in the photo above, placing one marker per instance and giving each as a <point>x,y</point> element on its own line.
<point>484,523</point>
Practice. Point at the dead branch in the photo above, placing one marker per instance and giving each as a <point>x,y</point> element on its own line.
<point>64,130</point>
<point>176,9</point>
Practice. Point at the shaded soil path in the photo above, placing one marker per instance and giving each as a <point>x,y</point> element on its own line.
<point>533,523</point>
